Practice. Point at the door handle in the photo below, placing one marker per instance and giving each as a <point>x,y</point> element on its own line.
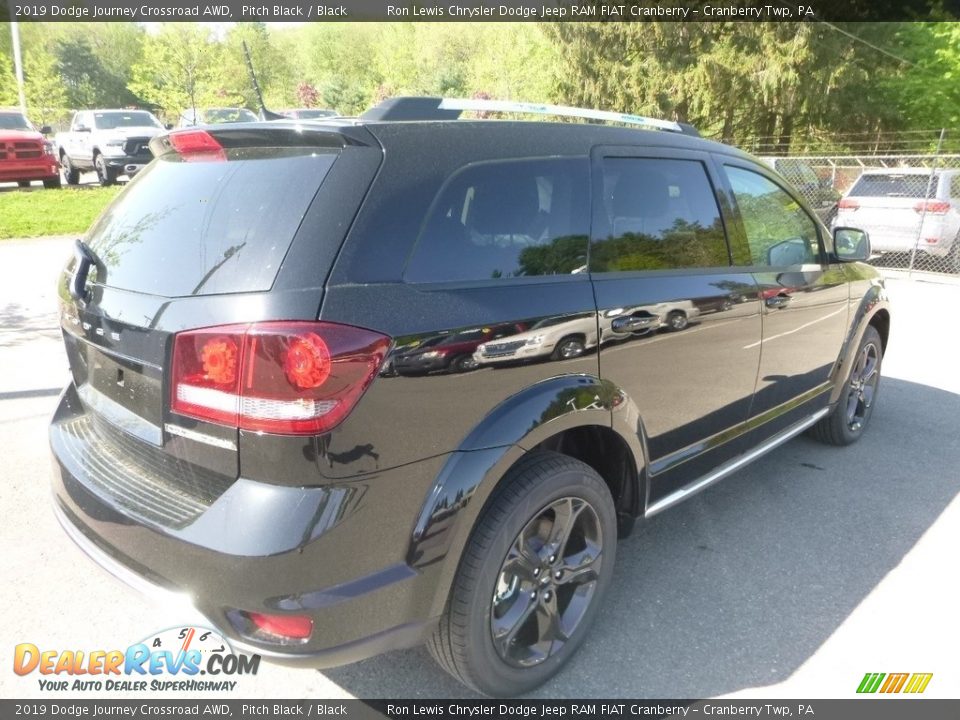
<point>778,302</point>
<point>632,323</point>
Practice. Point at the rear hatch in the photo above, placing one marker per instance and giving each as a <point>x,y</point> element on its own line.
<point>227,226</point>
<point>889,206</point>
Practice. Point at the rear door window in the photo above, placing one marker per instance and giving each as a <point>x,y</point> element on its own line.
<point>656,214</point>
<point>202,228</point>
<point>501,220</point>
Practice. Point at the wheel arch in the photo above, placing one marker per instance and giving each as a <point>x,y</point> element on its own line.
<point>552,415</point>
<point>873,310</point>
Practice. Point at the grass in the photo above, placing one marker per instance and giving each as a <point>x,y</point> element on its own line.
<point>67,211</point>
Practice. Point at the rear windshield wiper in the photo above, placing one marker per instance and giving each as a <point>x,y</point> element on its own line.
<point>85,258</point>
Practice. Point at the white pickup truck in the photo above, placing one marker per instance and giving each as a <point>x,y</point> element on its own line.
<point>111,142</point>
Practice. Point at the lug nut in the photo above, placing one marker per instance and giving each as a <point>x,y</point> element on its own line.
<point>536,572</point>
<point>547,595</point>
<point>533,595</point>
<point>553,558</point>
<point>558,574</point>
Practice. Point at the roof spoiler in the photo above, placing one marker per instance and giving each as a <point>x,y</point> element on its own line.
<point>434,108</point>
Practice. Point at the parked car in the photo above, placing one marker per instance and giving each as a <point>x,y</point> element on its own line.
<point>308,113</point>
<point>226,435</point>
<point>560,338</point>
<point>453,352</point>
<point>25,155</point>
<point>110,142</point>
<point>215,116</point>
<point>904,208</point>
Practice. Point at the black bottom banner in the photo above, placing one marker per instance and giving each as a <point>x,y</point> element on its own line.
<point>852,709</point>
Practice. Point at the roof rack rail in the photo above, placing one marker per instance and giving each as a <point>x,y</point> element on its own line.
<point>432,108</point>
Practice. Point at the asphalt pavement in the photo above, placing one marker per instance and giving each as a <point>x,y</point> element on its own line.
<point>790,579</point>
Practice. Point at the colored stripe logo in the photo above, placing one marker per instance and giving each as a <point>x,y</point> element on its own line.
<point>894,682</point>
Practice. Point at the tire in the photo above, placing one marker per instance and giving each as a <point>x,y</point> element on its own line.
<point>677,320</point>
<point>23,183</point>
<point>105,175</point>
<point>572,346</point>
<point>70,173</point>
<point>52,183</point>
<point>858,397</point>
<point>486,597</point>
<point>463,363</point>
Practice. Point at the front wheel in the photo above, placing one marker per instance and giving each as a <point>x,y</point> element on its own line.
<point>569,348</point>
<point>531,579</point>
<point>858,398</point>
<point>677,320</point>
<point>70,173</point>
<point>105,174</point>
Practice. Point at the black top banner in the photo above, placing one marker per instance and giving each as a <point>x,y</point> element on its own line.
<point>478,10</point>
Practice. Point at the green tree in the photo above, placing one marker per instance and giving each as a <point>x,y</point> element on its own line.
<point>181,69</point>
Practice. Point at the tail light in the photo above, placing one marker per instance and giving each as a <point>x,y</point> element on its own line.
<point>288,378</point>
<point>932,207</point>
<point>197,145</point>
<point>848,204</point>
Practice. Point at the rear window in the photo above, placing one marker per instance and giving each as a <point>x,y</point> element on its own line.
<point>894,185</point>
<point>203,228</point>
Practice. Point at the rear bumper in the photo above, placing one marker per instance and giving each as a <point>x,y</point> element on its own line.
<point>390,639</point>
<point>336,553</point>
<point>43,168</point>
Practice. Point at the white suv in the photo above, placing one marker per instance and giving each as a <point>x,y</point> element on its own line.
<point>904,207</point>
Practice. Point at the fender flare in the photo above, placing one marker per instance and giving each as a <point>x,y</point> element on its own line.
<point>473,471</point>
<point>873,302</point>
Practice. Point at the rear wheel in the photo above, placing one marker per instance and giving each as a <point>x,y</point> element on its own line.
<point>846,423</point>
<point>23,183</point>
<point>52,183</point>
<point>531,579</point>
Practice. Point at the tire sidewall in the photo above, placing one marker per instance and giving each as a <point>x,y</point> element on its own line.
<point>567,483</point>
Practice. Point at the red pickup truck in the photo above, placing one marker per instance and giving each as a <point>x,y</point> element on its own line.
<point>24,153</point>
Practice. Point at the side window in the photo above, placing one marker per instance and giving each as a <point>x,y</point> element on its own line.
<point>779,231</point>
<point>955,187</point>
<point>656,214</point>
<point>510,219</point>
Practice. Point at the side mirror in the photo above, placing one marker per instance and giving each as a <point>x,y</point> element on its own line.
<point>851,244</point>
<point>46,130</point>
<point>168,126</point>
<point>82,128</point>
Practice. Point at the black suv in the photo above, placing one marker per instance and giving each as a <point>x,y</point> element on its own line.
<point>228,433</point>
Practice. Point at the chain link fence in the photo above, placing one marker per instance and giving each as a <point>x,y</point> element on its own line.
<point>908,203</point>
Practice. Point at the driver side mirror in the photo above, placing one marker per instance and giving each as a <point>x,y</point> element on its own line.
<point>46,130</point>
<point>851,244</point>
<point>168,126</point>
<point>82,128</point>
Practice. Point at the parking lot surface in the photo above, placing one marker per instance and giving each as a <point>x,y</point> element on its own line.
<point>790,579</point>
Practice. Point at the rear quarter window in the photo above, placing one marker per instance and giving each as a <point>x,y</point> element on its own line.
<point>203,228</point>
